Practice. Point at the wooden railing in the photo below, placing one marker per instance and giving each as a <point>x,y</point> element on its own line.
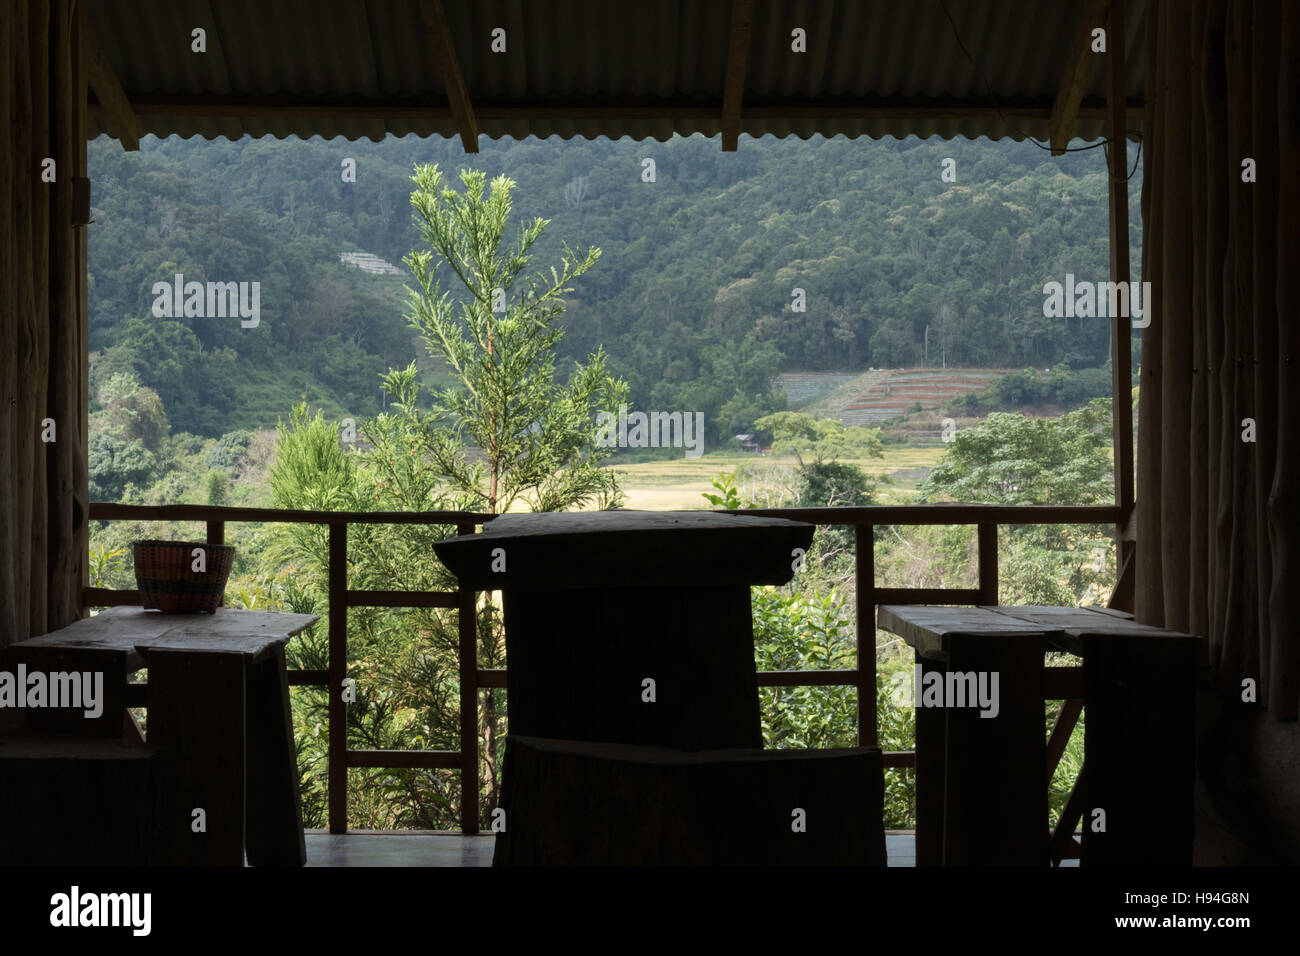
<point>864,520</point>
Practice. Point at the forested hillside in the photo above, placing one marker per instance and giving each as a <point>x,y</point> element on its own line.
<point>692,296</point>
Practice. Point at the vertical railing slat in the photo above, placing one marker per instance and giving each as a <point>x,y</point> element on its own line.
<point>469,773</point>
<point>338,723</point>
<point>865,573</point>
<point>988,563</point>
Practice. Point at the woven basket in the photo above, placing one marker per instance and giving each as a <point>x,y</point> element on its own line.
<point>166,579</point>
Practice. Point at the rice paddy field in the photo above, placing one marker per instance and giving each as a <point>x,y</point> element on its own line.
<point>678,485</point>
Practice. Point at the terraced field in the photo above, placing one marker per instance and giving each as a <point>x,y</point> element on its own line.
<point>881,395</point>
<point>803,387</point>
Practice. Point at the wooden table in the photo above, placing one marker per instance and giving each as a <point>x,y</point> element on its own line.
<point>981,781</point>
<point>597,603</point>
<point>218,713</point>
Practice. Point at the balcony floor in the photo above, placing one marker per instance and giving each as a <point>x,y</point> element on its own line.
<point>369,848</point>
<point>361,848</point>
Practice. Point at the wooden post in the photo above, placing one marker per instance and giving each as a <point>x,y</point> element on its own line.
<point>1121,326</point>
<point>338,712</point>
<point>468,631</point>
<point>274,827</point>
<point>988,561</point>
<point>864,548</point>
<point>931,747</point>
<point>197,722</point>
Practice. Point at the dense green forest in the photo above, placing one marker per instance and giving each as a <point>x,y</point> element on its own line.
<point>691,299</point>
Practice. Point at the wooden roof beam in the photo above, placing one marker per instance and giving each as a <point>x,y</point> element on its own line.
<point>1074,78</point>
<point>112,98</point>
<point>737,64</point>
<point>435,24</point>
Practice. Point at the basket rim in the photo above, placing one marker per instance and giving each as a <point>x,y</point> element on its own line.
<point>158,542</point>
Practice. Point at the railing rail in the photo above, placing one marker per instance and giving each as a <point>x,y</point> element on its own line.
<point>864,520</point>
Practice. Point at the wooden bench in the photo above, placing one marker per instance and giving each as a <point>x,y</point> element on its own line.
<point>981,782</point>
<point>572,802</point>
<point>78,801</point>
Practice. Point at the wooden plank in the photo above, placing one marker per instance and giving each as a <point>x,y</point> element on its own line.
<point>402,598</point>
<point>66,489</point>
<point>227,630</point>
<point>274,834</point>
<point>1067,618</point>
<point>927,628</point>
<point>944,514</point>
<point>996,819</point>
<point>467,657</point>
<point>811,678</point>
<point>1062,839</point>
<point>123,122</point>
<point>576,550</point>
<point>78,802</point>
<point>987,535</point>
<point>105,511</point>
<point>733,89</point>
<point>960,596</point>
<point>1140,740</point>
<point>899,758</point>
<point>394,759</point>
<point>1077,70</point>
<point>931,750</point>
<point>107,667</point>
<point>435,24</point>
<point>883,515</point>
<point>109,597</point>
<point>1071,708</point>
<point>338,666</point>
<point>560,813</point>
<point>309,678</point>
<point>197,723</point>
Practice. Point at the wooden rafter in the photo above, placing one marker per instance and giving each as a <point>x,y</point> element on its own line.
<point>435,24</point>
<point>737,63</point>
<point>122,118</point>
<point>1074,78</point>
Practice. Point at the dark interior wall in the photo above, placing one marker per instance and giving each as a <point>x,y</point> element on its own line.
<point>1218,513</point>
<point>43,527</point>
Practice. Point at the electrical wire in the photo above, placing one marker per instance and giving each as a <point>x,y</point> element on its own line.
<point>997,105</point>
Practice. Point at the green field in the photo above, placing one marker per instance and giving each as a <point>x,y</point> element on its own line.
<point>678,485</point>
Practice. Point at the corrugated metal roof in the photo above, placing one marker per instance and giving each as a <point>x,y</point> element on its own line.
<point>592,68</point>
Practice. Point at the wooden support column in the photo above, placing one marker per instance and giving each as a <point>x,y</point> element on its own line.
<point>338,711</point>
<point>1121,326</point>
<point>467,630</point>
<point>197,723</point>
<point>742,12</point>
<point>864,547</point>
